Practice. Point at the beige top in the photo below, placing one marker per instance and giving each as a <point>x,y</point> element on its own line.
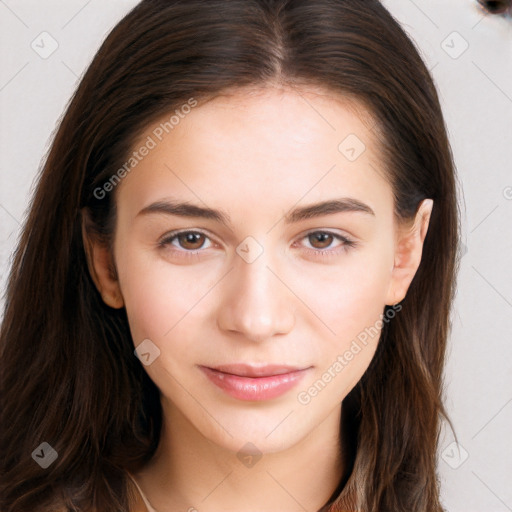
<point>149,508</point>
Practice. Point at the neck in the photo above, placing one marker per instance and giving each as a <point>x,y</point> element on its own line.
<point>194,474</point>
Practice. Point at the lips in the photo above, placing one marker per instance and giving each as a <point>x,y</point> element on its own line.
<point>256,383</point>
<point>245,370</point>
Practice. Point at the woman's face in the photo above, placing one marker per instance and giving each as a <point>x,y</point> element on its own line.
<point>255,250</point>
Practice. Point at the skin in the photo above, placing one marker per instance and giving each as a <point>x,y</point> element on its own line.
<point>255,156</point>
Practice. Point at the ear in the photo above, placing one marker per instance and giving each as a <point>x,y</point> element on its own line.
<point>101,266</point>
<point>409,247</point>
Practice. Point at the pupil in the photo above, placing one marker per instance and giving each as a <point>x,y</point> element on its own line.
<point>323,238</point>
<point>192,238</point>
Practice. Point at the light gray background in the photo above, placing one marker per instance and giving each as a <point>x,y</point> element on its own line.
<point>475,86</point>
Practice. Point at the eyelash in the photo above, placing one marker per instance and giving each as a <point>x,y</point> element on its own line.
<point>347,244</point>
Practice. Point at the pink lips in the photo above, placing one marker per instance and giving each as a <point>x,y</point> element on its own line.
<point>247,382</point>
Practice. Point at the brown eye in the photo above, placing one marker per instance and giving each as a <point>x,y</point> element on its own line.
<point>184,242</point>
<point>321,238</point>
<point>191,240</point>
<point>496,6</point>
<point>322,243</point>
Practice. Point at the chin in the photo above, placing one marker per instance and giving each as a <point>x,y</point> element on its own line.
<point>260,431</point>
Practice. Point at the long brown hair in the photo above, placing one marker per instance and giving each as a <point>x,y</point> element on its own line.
<point>69,376</point>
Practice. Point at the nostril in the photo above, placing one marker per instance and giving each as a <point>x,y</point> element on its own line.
<point>496,6</point>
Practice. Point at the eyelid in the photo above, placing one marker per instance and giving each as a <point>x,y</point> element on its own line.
<point>347,242</point>
<point>328,231</point>
<point>165,239</point>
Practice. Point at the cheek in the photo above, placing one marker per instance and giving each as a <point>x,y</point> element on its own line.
<point>158,297</point>
<point>353,308</point>
<point>349,299</point>
<point>349,296</point>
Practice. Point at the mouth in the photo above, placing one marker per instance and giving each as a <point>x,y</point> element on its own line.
<point>254,383</point>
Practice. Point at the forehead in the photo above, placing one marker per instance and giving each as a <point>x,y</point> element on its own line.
<point>286,143</point>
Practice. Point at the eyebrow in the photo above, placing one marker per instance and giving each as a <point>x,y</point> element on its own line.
<point>329,207</point>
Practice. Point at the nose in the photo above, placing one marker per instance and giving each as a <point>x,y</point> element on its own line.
<point>256,303</point>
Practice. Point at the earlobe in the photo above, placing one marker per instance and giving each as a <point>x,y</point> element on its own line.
<point>408,251</point>
<point>101,268</point>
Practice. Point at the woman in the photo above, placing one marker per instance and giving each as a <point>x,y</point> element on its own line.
<point>234,285</point>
